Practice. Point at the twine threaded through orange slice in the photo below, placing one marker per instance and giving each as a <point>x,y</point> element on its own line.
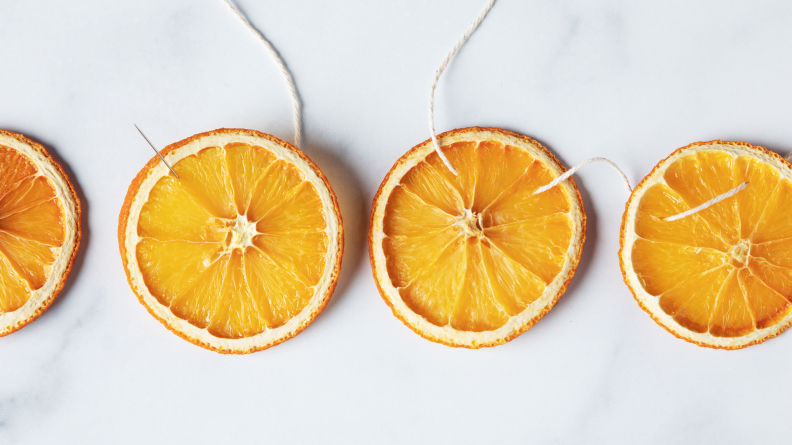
<point>720,277</point>
<point>475,259</point>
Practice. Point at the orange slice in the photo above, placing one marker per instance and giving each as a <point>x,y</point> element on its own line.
<point>39,230</point>
<point>476,259</point>
<point>721,277</point>
<point>242,251</point>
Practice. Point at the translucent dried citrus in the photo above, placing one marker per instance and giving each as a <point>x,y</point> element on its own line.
<point>242,251</point>
<point>39,230</point>
<point>476,259</point>
<point>721,277</point>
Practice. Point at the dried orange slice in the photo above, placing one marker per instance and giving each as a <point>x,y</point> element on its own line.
<point>475,260</point>
<point>242,251</point>
<point>721,277</point>
<point>39,230</point>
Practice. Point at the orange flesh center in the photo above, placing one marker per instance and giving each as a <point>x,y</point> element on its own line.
<point>739,254</point>
<point>473,250</point>
<point>241,234</point>
<point>31,229</point>
<point>237,244</point>
<point>726,270</point>
<point>470,223</point>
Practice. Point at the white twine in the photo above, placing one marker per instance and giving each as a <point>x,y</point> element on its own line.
<point>440,70</point>
<point>574,170</point>
<point>284,71</point>
<point>447,163</point>
<point>709,203</point>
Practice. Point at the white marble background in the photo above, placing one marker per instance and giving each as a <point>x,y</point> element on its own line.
<point>630,80</point>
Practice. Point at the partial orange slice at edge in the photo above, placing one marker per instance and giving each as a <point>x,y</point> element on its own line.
<point>720,278</point>
<point>39,230</point>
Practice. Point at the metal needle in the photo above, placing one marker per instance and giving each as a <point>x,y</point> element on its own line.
<point>156,151</point>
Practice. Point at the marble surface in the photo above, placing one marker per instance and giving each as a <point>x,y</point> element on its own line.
<point>630,80</point>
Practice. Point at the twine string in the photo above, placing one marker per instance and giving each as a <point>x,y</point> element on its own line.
<point>439,151</point>
<point>709,203</point>
<point>440,70</point>
<point>281,65</point>
<point>574,170</point>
